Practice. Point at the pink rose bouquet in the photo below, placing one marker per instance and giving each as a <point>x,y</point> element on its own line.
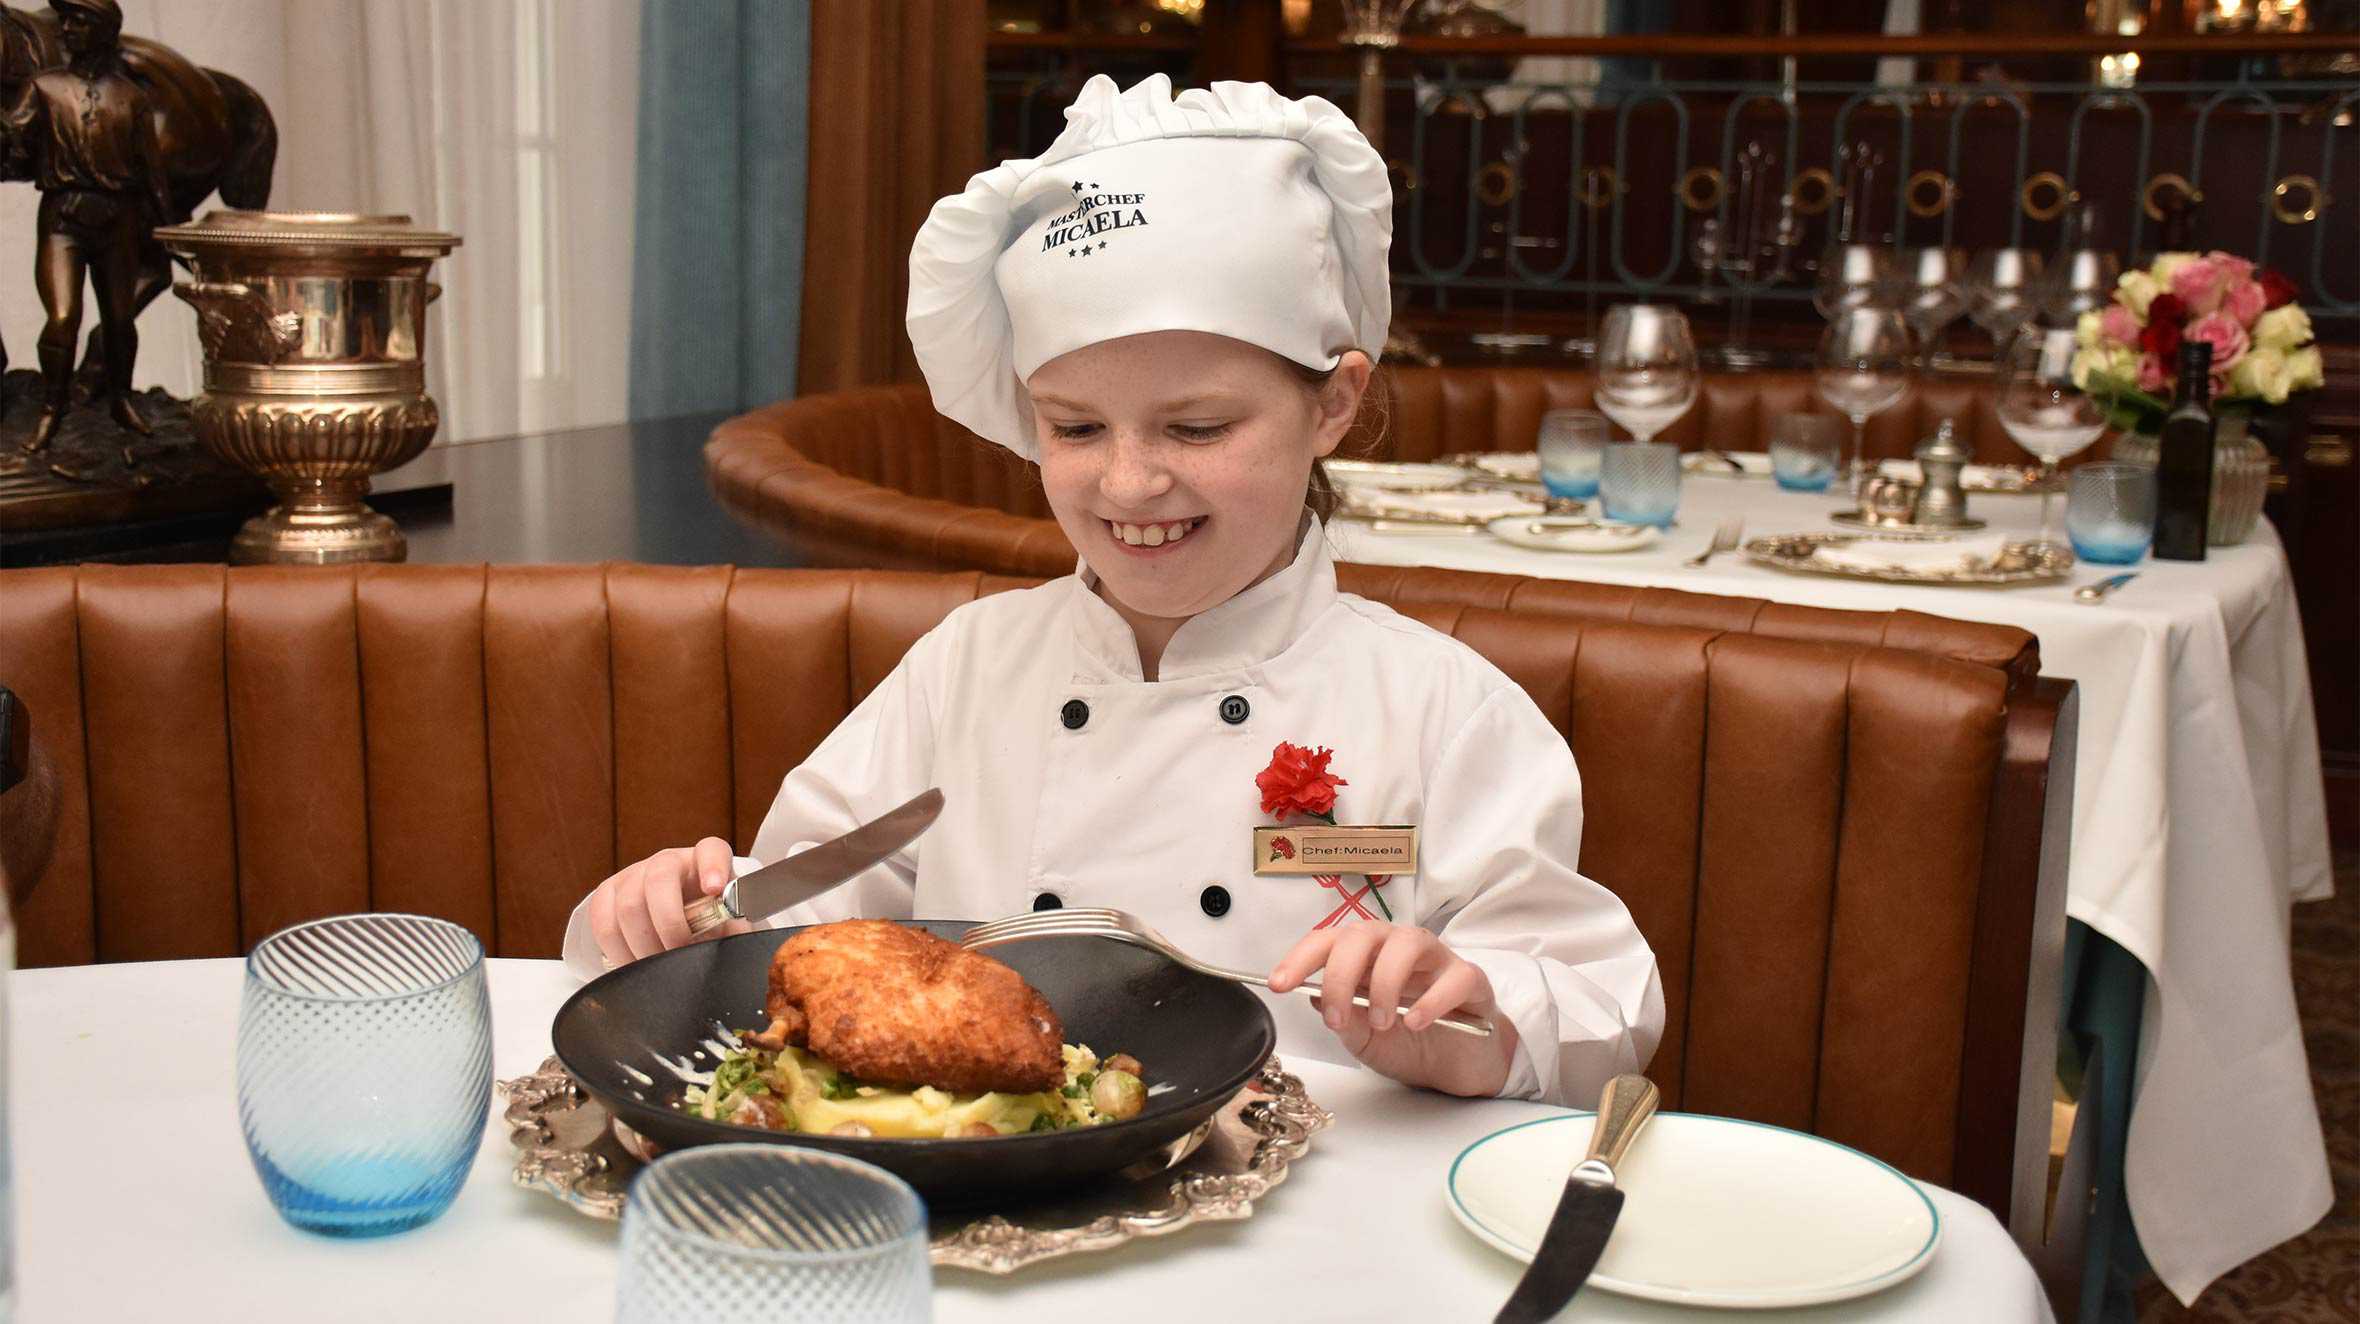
<point>2260,337</point>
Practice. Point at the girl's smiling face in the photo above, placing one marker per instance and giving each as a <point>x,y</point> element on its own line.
<point>1177,461</point>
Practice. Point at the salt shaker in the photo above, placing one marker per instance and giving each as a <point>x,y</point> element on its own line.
<point>1941,498</point>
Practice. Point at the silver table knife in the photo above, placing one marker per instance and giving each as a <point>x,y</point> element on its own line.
<point>1586,1211</point>
<point>798,878</point>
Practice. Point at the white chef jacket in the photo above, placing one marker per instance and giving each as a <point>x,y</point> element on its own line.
<point>1066,774</point>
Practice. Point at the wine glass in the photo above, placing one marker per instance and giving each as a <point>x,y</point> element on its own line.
<point>1705,250</point>
<point>2002,286</point>
<point>2082,280</point>
<point>1863,369</point>
<point>1851,276</point>
<point>2043,411</point>
<point>1928,282</point>
<point>1647,374</point>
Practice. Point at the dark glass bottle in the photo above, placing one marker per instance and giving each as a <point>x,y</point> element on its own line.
<point>2184,461</point>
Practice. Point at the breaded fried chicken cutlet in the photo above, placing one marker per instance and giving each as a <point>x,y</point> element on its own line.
<point>892,1005</point>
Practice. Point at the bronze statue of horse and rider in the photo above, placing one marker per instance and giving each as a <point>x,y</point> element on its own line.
<point>121,135</point>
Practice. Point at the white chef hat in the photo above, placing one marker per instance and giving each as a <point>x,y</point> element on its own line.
<point>1229,209</point>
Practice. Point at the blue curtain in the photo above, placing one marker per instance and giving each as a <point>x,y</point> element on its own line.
<point>1632,18</point>
<point>717,262</point>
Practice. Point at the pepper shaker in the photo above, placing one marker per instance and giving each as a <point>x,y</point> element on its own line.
<point>1941,497</point>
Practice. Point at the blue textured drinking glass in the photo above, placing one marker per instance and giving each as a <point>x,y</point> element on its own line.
<point>364,1069</point>
<point>1571,443</point>
<point>1639,482</point>
<point>1805,450</point>
<point>772,1232</point>
<point>2110,512</point>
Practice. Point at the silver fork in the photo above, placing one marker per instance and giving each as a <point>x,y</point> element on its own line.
<point>1724,540</point>
<point>1122,926</point>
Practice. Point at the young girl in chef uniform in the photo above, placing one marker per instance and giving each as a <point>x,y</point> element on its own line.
<point>1174,311</point>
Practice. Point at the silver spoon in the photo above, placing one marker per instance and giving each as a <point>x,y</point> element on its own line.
<point>2097,592</point>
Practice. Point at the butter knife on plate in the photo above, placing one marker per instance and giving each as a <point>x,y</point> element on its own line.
<point>1586,1211</point>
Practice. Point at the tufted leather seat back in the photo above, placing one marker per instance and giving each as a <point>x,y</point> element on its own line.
<point>875,478</point>
<point>1835,847</point>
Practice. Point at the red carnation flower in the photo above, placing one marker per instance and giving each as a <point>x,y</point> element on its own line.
<point>2162,336</point>
<point>1298,782</point>
<point>2277,290</point>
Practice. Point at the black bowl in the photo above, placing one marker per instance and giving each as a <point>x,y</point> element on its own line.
<point>1203,1037</point>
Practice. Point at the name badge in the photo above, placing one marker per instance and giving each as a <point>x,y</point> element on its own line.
<point>1316,848</point>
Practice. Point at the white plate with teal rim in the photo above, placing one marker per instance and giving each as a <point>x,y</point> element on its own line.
<point>1392,477</point>
<point>1572,533</point>
<point>1716,1212</point>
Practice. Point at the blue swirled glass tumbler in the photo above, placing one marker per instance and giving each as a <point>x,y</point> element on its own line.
<point>800,1236</point>
<point>364,1069</point>
<point>1639,482</point>
<point>2110,512</point>
<point>1570,444</point>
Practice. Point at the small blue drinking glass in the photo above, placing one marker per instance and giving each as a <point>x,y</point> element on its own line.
<point>364,1069</point>
<point>2110,512</point>
<point>1639,482</point>
<point>774,1232</point>
<point>1570,444</point>
<point>1805,450</point>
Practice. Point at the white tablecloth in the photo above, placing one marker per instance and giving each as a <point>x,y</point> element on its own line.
<point>2199,817</point>
<point>135,1201</point>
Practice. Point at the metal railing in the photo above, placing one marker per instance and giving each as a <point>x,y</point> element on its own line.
<point>1533,192</point>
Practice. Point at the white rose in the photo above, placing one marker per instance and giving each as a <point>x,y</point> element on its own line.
<point>2117,365</point>
<point>2283,327</point>
<point>2087,332</point>
<point>2164,265</point>
<point>2261,372</point>
<point>2086,361</point>
<point>2136,290</point>
<point>2304,370</point>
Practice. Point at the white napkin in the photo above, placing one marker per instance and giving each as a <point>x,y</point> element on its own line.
<point>1755,463</point>
<point>1517,466</point>
<point>1470,506</point>
<point>1918,557</point>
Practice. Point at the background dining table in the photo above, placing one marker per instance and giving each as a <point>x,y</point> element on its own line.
<point>2198,820</point>
<point>135,1200</point>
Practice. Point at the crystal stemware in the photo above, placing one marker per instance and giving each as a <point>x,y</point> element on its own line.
<point>1928,281</point>
<point>1852,276</point>
<point>2043,411</point>
<point>1647,373</point>
<point>2082,278</point>
<point>2003,289</point>
<point>1704,249</point>
<point>1863,369</point>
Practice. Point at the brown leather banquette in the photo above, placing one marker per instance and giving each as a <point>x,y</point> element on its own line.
<point>1847,856</point>
<point>874,477</point>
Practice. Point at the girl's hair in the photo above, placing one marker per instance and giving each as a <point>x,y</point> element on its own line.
<point>1366,431</point>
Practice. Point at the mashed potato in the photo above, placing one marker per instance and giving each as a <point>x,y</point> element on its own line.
<point>793,1090</point>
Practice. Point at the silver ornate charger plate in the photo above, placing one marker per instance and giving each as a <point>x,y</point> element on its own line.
<point>570,1148</point>
<point>2018,562</point>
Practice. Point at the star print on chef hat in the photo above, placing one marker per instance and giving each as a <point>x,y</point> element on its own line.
<point>1239,212</point>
